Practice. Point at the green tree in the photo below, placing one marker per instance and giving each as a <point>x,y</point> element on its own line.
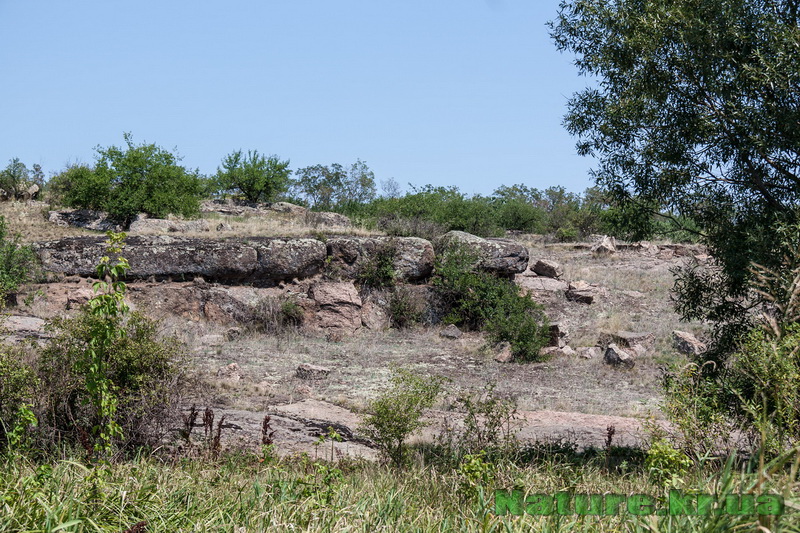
<point>134,179</point>
<point>694,113</point>
<point>334,186</point>
<point>14,178</point>
<point>257,177</point>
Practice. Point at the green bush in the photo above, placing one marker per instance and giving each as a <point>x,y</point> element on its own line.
<point>135,179</point>
<point>477,300</point>
<point>256,177</point>
<point>406,308</point>
<point>18,262</point>
<point>377,270</point>
<point>397,412</point>
<point>18,385</point>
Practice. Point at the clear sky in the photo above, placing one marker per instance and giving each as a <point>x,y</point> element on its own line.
<point>448,92</point>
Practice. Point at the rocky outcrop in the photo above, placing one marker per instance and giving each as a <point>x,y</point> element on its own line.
<point>339,307</point>
<point>270,210</point>
<point>499,256</point>
<point>616,356</point>
<point>84,218</point>
<point>161,257</point>
<point>413,257</point>
<point>143,224</point>
<point>604,246</point>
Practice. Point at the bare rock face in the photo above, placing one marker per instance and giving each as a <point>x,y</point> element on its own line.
<point>164,256</point>
<point>616,356</point>
<point>339,307</point>
<point>143,224</point>
<point>84,218</point>
<point>413,259</point>
<point>19,328</point>
<point>286,259</point>
<point>548,269</point>
<point>374,315</point>
<point>687,343</point>
<point>558,335</point>
<point>589,352</point>
<point>504,353</point>
<point>499,256</point>
<point>605,246</point>
<point>312,372</point>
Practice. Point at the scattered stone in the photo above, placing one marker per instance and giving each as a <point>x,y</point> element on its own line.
<point>312,372</point>
<point>30,193</point>
<point>233,333</point>
<point>504,355</point>
<point>79,297</point>
<point>568,351</point>
<point>143,224</point>
<point>84,218</point>
<point>629,339</point>
<point>548,269</point>
<point>666,254</point>
<point>590,352</point>
<point>686,343</point>
<point>222,226</point>
<point>616,356</point>
<point>230,372</point>
<point>633,294</point>
<point>451,332</point>
<point>580,292</point>
<point>605,246</point>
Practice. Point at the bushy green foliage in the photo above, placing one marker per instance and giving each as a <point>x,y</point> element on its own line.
<point>257,177</point>
<point>397,412</point>
<point>18,262</point>
<point>106,373</point>
<point>478,300</point>
<point>16,177</point>
<point>134,179</point>
<point>377,271</point>
<point>666,464</point>
<point>17,390</point>
<point>335,187</point>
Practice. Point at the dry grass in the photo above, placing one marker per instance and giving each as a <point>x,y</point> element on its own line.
<point>29,219</point>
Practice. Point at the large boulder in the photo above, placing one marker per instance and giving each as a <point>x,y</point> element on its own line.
<point>548,269</point>
<point>499,256</point>
<point>413,256</point>
<point>286,259</point>
<point>605,246</point>
<point>325,218</point>
<point>687,343</point>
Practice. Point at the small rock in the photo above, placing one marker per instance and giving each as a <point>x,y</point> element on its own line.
<point>307,371</point>
<point>79,297</point>
<point>580,292</point>
<point>568,351</point>
<point>451,332</point>
<point>230,372</point>
<point>548,269</point>
<point>616,356</point>
<point>505,355</point>
<point>633,294</point>
<point>589,352</point>
<point>233,333</point>
<point>605,246</point>
<point>549,351</point>
<point>542,284</point>
<point>687,343</point>
<point>222,226</point>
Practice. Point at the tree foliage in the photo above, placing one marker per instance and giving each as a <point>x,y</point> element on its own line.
<point>133,179</point>
<point>695,111</point>
<point>327,187</point>
<point>257,177</point>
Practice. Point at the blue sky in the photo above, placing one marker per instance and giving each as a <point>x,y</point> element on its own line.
<point>468,93</point>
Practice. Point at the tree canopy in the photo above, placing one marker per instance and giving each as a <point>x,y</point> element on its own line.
<point>695,110</point>
<point>257,177</point>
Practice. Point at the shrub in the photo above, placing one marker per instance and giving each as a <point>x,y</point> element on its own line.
<point>665,463</point>
<point>275,315</point>
<point>131,180</point>
<point>377,271</point>
<point>258,178</point>
<point>17,261</point>
<point>17,387</point>
<point>397,412</point>
<point>480,301</point>
<point>406,308</point>
<point>107,369</point>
